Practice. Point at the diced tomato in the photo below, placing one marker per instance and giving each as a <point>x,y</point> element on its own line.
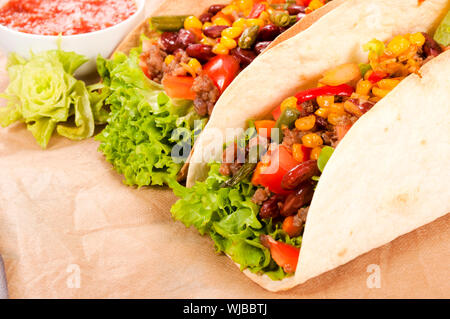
<point>222,69</point>
<point>258,8</point>
<point>179,86</point>
<point>276,113</point>
<point>341,131</point>
<point>286,256</point>
<point>377,76</point>
<point>264,128</point>
<point>270,171</point>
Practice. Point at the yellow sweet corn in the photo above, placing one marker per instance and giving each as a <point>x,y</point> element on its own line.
<point>259,22</point>
<point>240,23</point>
<point>388,84</point>
<point>316,4</point>
<point>322,112</point>
<point>195,65</point>
<point>315,153</point>
<point>192,22</point>
<point>363,87</point>
<point>245,5</point>
<point>289,102</point>
<point>222,21</point>
<point>208,41</point>
<point>351,108</point>
<point>337,108</point>
<point>335,119</point>
<point>228,43</point>
<point>325,100</point>
<point>230,9</point>
<point>169,59</point>
<point>232,33</point>
<point>379,92</point>
<point>417,39</point>
<point>398,45</point>
<point>297,153</point>
<point>207,25</point>
<point>219,48</point>
<point>265,17</point>
<point>312,140</point>
<point>305,123</point>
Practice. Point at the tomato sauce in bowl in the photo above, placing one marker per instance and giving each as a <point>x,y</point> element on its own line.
<point>66,17</point>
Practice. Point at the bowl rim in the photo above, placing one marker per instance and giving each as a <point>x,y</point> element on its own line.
<point>140,9</point>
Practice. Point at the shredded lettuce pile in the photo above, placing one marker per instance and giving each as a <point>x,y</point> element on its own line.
<point>44,94</point>
<point>229,217</point>
<point>138,140</point>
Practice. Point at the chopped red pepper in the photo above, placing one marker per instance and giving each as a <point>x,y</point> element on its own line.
<point>286,256</point>
<point>377,76</point>
<point>258,8</point>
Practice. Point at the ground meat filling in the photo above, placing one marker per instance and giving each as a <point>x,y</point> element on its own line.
<point>206,95</point>
<point>154,58</point>
<point>260,196</point>
<point>175,68</point>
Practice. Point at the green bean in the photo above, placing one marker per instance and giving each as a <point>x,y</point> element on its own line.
<point>287,118</point>
<point>280,19</point>
<point>242,174</point>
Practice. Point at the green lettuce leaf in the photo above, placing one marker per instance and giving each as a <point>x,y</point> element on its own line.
<point>229,217</point>
<point>43,93</point>
<point>137,140</point>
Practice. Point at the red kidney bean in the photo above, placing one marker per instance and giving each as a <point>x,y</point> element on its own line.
<point>185,37</point>
<point>245,57</point>
<point>215,8</point>
<point>299,174</point>
<point>431,47</point>
<point>169,41</point>
<point>199,51</point>
<point>298,199</point>
<point>206,17</point>
<point>296,9</point>
<point>214,31</point>
<point>261,46</point>
<point>270,208</point>
<point>268,32</point>
<point>321,123</point>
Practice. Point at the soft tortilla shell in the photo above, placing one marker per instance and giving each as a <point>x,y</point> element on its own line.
<point>392,185</point>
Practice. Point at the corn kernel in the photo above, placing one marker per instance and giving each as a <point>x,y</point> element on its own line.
<point>232,33</point>
<point>240,23</point>
<point>290,102</point>
<point>208,41</point>
<point>219,48</point>
<point>325,100</point>
<point>305,123</point>
<point>169,59</point>
<point>315,153</point>
<point>363,87</point>
<point>388,84</point>
<point>379,92</point>
<point>222,21</point>
<point>264,16</point>
<point>335,119</point>
<point>312,140</point>
<point>322,112</point>
<point>315,4</point>
<point>259,22</point>
<point>337,108</point>
<point>230,9</point>
<point>417,39</point>
<point>195,65</point>
<point>245,5</point>
<point>398,45</point>
<point>192,22</point>
<point>207,25</point>
<point>228,43</point>
<point>297,153</point>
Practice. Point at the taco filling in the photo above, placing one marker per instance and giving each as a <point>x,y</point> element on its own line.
<point>255,211</point>
<point>177,76</point>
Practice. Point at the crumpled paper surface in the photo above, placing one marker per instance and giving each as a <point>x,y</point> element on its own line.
<point>69,228</point>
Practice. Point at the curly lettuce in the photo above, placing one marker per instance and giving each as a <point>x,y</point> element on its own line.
<point>44,94</point>
<point>229,217</point>
<point>138,138</point>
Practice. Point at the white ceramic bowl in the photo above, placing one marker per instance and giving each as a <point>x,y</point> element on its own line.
<point>91,44</point>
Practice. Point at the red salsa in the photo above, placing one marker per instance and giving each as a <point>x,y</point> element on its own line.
<point>68,17</point>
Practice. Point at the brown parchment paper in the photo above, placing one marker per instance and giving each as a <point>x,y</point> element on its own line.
<point>69,228</point>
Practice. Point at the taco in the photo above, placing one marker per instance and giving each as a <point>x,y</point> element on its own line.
<point>167,75</point>
<point>369,100</point>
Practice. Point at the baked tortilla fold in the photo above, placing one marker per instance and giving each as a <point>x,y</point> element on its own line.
<point>381,182</point>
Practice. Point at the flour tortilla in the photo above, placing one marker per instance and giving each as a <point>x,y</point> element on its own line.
<point>386,177</point>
